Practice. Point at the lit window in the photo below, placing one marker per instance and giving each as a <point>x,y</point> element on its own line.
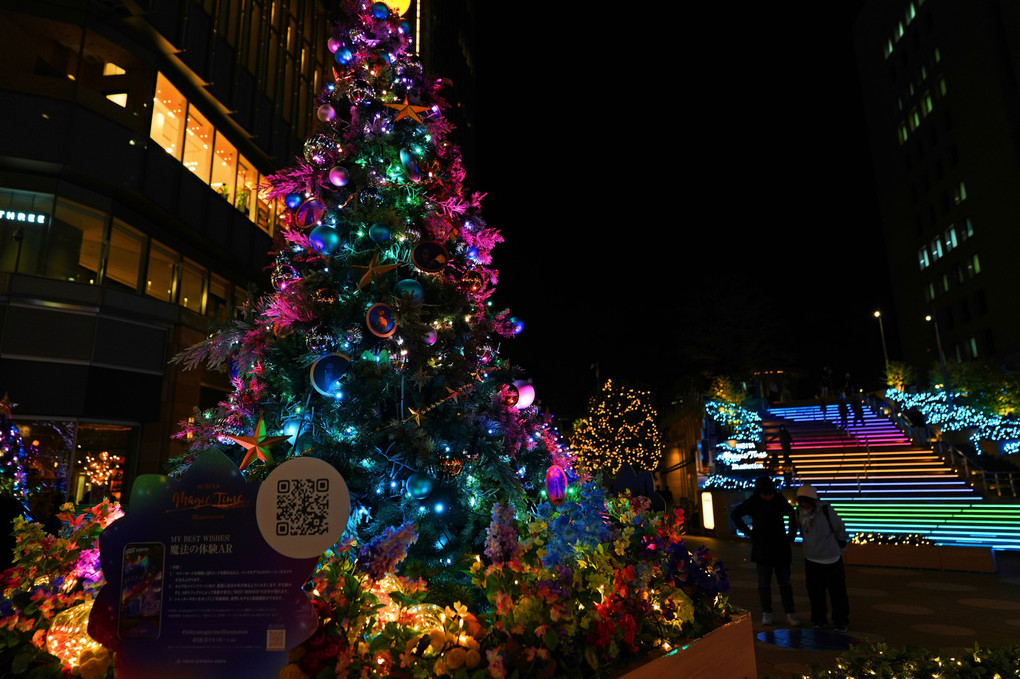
<point>119,98</point>
<point>976,264</point>
<point>960,194</point>
<point>218,298</point>
<point>950,238</point>
<point>198,145</point>
<point>922,257</point>
<point>110,68</point>
<point>973,348</point>
<point>902,133</point>
<point>945,283</point>
<point>247,180</point>
<point>942,86</point>
<point>938,55</point>
<point>926,103</point>
<point>899,30</point>
<point>192,287</point>
<point>911,12</point>
<point>168,110</point>
<point>888,48</point>
<point>936,249</point>
<point>969,232</point>
<point>159,282</point>
<point>224,168</point>
<point>913,119</point>
<point>924,73</point>
<point>124,259</point>
<point>931,291</point>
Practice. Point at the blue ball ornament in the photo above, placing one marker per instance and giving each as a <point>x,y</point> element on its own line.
<point>420,485</point>
<point>292,200</point>
<point>472,252</point>
<point>343,56</point>
<point>380,10</point>
<point>325,240</point>
<point>405,26</point>
<point>379,232</point>
<point>410,288</point>
<point>516,325</point>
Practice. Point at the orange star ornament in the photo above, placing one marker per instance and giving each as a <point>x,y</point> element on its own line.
<point>406,110</point>
<point>257,445</point>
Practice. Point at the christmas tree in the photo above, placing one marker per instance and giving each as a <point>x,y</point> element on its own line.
<point>619,428</point>
<point>12,453</point>
<point>378,349</point>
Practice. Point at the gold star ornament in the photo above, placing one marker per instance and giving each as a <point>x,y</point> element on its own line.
<point>257,445</point>
<point>373,270</point>
<point>406,110</point>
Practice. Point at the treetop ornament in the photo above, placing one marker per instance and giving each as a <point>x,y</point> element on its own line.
<point>406,110</point>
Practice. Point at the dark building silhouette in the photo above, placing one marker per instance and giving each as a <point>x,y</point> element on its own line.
<point>942,100</point>
<point>134,135</point>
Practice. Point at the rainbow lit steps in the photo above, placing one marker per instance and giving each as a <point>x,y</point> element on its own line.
<point>880,482</point>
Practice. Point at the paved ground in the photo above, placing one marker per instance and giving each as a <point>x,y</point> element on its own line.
<point>901,607</point>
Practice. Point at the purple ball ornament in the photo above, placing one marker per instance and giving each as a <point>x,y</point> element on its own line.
<point>556,484</point>
<point>333,44</point>
<point>309,213</point>
<point>325,113</point>
<point>339,176</point>
<point>431,336</point>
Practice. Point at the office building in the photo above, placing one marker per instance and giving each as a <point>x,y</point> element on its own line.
<point>941,88</point>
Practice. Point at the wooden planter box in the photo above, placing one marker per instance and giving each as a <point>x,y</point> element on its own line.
<point>726,652</point>
<point>976,559</point>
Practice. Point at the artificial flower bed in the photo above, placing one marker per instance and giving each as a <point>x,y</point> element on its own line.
<point>568,591</point>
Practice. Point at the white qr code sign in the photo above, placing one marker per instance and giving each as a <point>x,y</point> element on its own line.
<point>303,507</point>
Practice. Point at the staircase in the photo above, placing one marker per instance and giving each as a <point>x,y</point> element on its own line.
<point>880,482</point>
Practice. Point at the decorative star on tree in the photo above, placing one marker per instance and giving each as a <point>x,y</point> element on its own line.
<point>257,445</point>
<point>406,110</point>
<point>373,270</point>
<point>6,406</point>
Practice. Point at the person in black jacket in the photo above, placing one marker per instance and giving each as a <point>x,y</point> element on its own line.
<point>773,527</point>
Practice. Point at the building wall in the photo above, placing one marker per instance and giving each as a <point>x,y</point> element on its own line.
<point>118,249</point>
<point>942,99</point>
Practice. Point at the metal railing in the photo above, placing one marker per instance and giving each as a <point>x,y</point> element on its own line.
<point>989,482</point>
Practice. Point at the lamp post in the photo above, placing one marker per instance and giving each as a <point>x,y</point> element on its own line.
<point>933,319</point>
<point>881,330</point>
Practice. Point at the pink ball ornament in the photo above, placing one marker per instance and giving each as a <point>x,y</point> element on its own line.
<point>333,45</point>
<point>526,394</point>
<point>326,113</point>
<point>339,176</point>
<point>431,336</point>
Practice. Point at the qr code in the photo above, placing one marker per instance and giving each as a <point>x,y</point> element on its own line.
<point>302,506</point>
<point>276,639</point>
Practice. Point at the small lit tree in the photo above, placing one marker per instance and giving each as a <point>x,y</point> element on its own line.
<point>898,375</point>
<point>620,428</point>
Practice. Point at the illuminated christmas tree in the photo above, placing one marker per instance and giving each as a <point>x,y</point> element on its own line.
<point>12,453</point>
<point>377,350</point>
<point>620,428</point>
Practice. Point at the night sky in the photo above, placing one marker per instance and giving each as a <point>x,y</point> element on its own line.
<point>666,183</point>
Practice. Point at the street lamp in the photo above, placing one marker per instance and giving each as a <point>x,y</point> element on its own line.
<point>933,319</point>
<point>881,330</point>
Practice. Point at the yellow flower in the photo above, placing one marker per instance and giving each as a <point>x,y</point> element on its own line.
<point>437,638</point>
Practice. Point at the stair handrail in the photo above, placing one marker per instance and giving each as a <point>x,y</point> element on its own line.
<point>955,457</point>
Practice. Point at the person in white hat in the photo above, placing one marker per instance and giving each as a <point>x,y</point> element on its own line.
<point>825,540</point>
